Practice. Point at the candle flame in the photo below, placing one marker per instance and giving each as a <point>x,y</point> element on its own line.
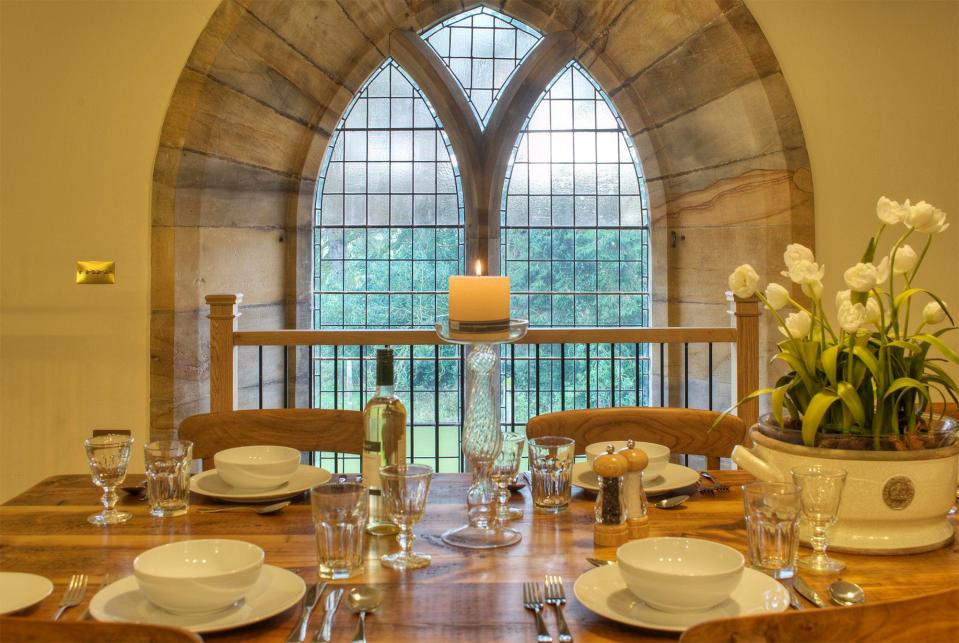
<point>479,268</point>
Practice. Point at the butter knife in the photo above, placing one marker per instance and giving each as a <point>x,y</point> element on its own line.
<point>324,634</point>
<point>298,633</point>
<point>808,592</point>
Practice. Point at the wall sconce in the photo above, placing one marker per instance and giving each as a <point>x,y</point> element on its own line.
<point>96,272</point>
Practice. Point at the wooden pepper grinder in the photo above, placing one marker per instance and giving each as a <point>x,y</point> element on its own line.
<point>637,520</point>
<point>610,527</point>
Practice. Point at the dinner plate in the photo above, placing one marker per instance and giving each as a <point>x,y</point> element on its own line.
<point>210,484</point>
<point>275,591</point>
<point>18,591</point>
<point>603,591</point>
<point>675,476</point>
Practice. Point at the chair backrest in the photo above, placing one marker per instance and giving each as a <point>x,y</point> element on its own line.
<point>682,430</point>
<point>934,617</point>
<point>24,630</point>
<point>303,429</point>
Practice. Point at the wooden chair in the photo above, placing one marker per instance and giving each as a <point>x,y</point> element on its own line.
<point>682,430</point>
<point>24,630</point>
<point>303,429</point>
<point>934,617</point>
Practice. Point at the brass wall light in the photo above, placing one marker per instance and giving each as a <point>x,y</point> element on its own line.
<point>96,272</point>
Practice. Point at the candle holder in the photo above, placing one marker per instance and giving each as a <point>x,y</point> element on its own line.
<point>481,437</point>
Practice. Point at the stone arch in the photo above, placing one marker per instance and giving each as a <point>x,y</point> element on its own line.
<point>696,84</point>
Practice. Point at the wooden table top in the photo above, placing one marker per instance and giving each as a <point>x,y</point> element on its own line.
<point>462,596</point>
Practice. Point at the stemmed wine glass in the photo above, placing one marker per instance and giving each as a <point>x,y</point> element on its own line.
<point>503,472</point>
<point>108,456</point>
<point>405,488</point>
<point>821,493</point>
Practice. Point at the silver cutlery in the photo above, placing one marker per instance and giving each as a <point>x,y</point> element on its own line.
<point>73,595</point>
<point>531,601</point>
<point>669,503</point>
<point>257,509</point>
<point>793,599</point>
<point>808,592</point>
<point>599,562</point>
<point>333,599</point>
<point>361,600</point>
<point>556,596</point>
<point>844,593</point>
<point>298,633</point>
<point>717,485</point>
<point>107,580</point>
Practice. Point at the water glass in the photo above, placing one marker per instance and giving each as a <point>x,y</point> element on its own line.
<point>167,465</point>
<point>504,472</point>
<point>405,488</point>
<point>108,456</point>
<point>821,493</point>
<point>551,466</point>
<point>340,510</point>
<point>772,527</point>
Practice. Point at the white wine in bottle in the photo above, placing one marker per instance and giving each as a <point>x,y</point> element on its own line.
<point>385,421</point>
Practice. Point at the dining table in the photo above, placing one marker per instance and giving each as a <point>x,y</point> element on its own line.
<point>464,595</point>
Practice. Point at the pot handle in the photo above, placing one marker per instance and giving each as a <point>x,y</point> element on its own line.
<point>754,465</point>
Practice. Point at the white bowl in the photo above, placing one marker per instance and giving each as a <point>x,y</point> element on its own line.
<point>680,574</point>
<point>658,455</point>
<point>259,467</point>
<point>198,575</point>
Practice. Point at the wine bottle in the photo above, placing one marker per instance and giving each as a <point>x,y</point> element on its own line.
<point>384,419</point>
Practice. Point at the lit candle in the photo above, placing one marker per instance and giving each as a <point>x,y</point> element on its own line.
<point>478,303</point>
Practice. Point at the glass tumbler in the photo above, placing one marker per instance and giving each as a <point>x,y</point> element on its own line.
<point>772,527</point>
<point>167,465</point>
<point>108,456</point>
<point>551,466</point>
<point>405,488</point>
<point>821,493</point>
<point>340,510</point>
<point>504,472</point>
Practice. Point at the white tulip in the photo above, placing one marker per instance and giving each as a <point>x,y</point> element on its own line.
<point>873,311</point>
<point>804,272</point>
<point>863,277</point>
<point>743,281</point>
<point>798,325</point>
<point>812,288</point>
<point>843,296</point>
<point>777,296</point>
<point>905,260</point>
<point>926,218</point>
<point>891,212</point>
<point>796,252</point>
<point>933,313</point>
<point>852,316</point>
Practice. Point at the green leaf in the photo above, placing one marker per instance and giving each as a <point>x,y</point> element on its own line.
<point>817,408</point>
<point>797,365</point>
<point>850,398</point>
<point>868,359</point>
<point>906,294</point>
<point>950,354</point>
<point>830,358</point>
<point>906,383</point>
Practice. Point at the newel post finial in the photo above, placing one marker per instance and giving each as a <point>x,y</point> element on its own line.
<point>223,317</point>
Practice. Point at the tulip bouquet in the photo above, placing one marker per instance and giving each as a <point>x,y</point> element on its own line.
<point>876,372</point>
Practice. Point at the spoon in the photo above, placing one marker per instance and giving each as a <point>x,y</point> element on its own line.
<point>842,592</point>
<point>363,599</point>
<point>259,509</point>
<point>672,501</point>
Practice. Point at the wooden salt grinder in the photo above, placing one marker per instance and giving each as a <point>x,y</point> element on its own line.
<point>637,522</point>
<point>610,530</point>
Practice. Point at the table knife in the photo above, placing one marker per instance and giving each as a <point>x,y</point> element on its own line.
<point>298,633</point>
<point>324,634</point>
<point>808,592</point>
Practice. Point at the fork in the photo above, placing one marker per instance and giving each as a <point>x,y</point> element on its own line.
<point>531,601</point>
<point>74,594</point>
<point>108,579</point>
<point>717,485</point>
<point>556,596</point>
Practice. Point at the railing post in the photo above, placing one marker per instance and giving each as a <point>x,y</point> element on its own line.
<point>223,376</point>
<point>747,357</point>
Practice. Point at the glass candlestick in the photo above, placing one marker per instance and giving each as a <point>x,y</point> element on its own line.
<point>481,437</point>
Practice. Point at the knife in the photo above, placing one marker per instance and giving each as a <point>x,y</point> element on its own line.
<point>808,592</point>
<point>324,634</point>
<point>298,633</point>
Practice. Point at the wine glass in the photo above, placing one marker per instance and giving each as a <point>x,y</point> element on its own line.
<point>405,488</point>
<point>503,472</point>
<point>108,456</point>
<point>821,493</point>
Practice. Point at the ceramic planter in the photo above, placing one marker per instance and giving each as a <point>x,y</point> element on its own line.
<point>894,502</point>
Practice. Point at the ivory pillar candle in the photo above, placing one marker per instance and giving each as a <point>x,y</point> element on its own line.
<point>478,302</point>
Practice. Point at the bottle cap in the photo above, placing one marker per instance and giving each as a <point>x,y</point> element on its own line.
<point>610,464</point>
<point>384,367</point>
<point>636,459</point>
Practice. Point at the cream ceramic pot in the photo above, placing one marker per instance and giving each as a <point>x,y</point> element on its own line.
<point>894,502</point>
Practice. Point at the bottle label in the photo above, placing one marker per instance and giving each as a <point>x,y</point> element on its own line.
<point>369,445</point>
<point>371,471</point>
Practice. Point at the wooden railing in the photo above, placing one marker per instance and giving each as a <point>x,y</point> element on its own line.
<point>225,340</point>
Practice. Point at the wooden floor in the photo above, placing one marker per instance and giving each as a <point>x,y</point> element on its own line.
<point>463,596</point>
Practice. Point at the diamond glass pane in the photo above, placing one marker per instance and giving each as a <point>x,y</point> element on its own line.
<point>482,49</point>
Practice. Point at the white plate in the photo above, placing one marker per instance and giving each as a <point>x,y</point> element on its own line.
<point>275,591</point>
<point>675,476</point>
<point>603,591</point>
<point>19,591</point>
<point>210,484</point>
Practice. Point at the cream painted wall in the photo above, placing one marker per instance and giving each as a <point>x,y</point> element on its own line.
<point>84,87</point>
